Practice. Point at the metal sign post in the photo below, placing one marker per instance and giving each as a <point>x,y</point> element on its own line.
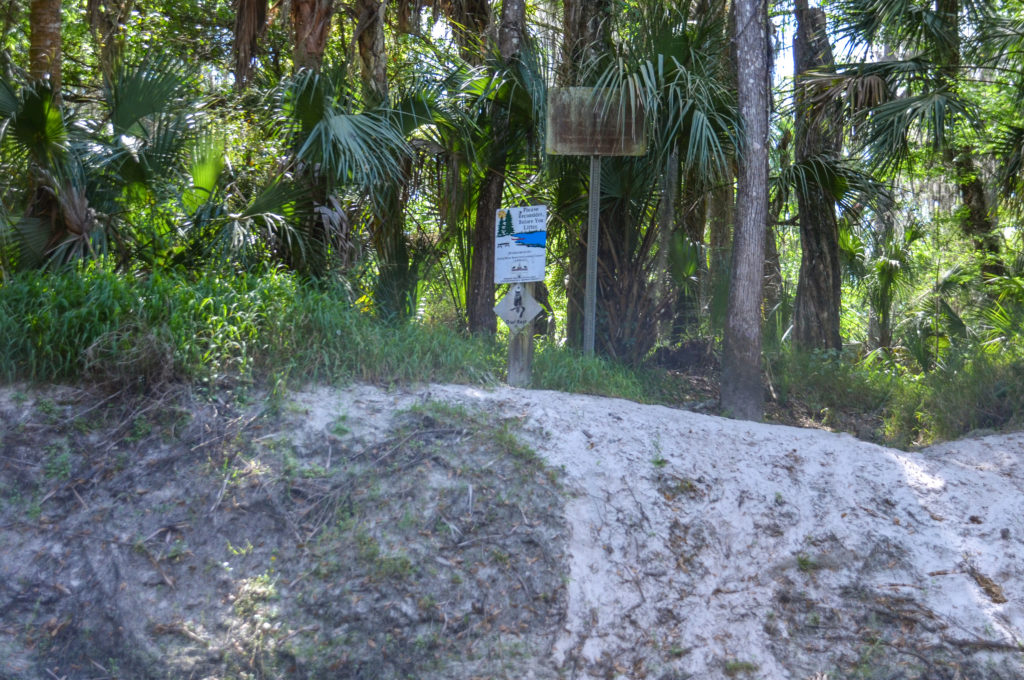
<point>590,292</point>
<point>585,121</point>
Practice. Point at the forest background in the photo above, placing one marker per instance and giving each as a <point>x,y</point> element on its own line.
<point>263,194</point>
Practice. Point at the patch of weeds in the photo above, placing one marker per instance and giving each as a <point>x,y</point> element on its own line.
<point>240,551</point>
<point>510,444</point>
<point>501,557</point>
<point>253,592</point>
<point>338,428</point>
<point>48,408</point>
<point>179,549</point>
<point>58,461</point>
<point>806,563</point>
<point>141,428</point>
<point>734,668</point>
<point>408,520</point>
<point>679,486</point>
<point>383,566</point>
<point>658,461</point>
<point>446,413</point>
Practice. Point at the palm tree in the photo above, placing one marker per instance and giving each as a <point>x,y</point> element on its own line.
<point>818,136</point>
<point>920,92</point>
<point>311,24</point>
<point>250,23</point>
<point>670,72</point>
<point>508,93</point>
<point>45,57</point>
<point>742,394</point>
<point>87,179</point>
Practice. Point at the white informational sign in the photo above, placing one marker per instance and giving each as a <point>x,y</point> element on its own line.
<point>517,308</point>
<point>520,244</point>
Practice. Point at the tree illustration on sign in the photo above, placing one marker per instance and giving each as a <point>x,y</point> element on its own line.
<point>505,223</point>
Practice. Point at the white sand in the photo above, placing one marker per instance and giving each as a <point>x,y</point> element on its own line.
<point>698,541</point>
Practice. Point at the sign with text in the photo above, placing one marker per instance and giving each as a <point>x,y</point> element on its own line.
<point>586,121</point>
<point>520,242</point>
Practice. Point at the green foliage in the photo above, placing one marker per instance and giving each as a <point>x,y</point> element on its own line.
<point>215,328</point>
<point>559,368</point>
<point>986,392</point>
<point>824,380</point>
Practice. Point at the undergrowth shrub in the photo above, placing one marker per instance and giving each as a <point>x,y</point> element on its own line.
<point>559,368</point>
<point>985,391</point>
<point>216,328</point>
<point>830,380</point>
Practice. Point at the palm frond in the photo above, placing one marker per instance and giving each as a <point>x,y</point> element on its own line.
<point>38,125</point>
<point>143,91</point>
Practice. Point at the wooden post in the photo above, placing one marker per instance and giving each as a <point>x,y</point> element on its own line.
<point>520,352</point>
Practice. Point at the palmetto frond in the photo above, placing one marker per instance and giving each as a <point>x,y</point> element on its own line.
<point>145,92</point>
<point>1010,154</point>
<point>364,148</point>
<point>914,25</point>
<point>36,124</point>
<point>848,184</point>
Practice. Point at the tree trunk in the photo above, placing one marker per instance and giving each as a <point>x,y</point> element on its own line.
<point>45,56</point>
<point>772,264</point>
<point>742,394</point>
<point>311,21</point>
<point>977,221</point>
<point>480,296</point>
<point>722,201</point>
<point>686,316</point>
<point>819,288</point>
<point>470,20</point>
<point>372,57</point>
<point>250,22</point>
<point>107,19</point>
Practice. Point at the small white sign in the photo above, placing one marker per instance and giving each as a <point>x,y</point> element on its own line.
<point>520,244</point>
<point>517,308</point>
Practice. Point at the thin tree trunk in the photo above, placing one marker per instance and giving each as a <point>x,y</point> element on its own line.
<point>250,23</point>
<point>45,56</point>
<point>742,394</point>
<point>722,202</point>
<point>372,57</point>
<point>470,20</point>
<point>819,288</point>
<point>721,217</point>
<point>107,19</point>
<point>311,21</point>
<point>772,264</point>
<point>978,222</point>
<point>480,299</point>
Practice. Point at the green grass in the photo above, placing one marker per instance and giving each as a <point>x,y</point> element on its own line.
<point>215,328</point>
<point>212,329</point>
<point>228,329</point>
<point>983,392</point>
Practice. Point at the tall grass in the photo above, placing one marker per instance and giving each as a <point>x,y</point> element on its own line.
<point>272,328</point>
<point>215,327</point>
<point>984,392</point>
<point>219,328</point>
